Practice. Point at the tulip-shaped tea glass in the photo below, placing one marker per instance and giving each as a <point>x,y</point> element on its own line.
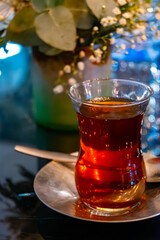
<point>110,172</point>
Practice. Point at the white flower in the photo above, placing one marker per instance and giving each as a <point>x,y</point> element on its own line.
<point>95,28</point>
<point>67,69</point>
<point>92,58</point>
<point>81,66</point>
<point>106,21</point>
<point>119,30</point>
<point>122,21</point>
<point>98,52</point>
<point>122,2</point>
<point>98,59</point>
<point>82,54</point>
<point>127,15</point>
<point>116,11</point>
<point>58,89</point>
<point>71,81</point>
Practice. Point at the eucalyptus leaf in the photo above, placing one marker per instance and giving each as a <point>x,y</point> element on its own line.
<point>23,20</point>
<point>57,28</point>
<point>48,50</point>
<point>21,28</point>
<point>100,11</point>
<point>40,5</point>
<point>26,38</point>
<point>81,13</point>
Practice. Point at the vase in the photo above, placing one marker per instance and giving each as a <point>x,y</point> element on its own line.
<point>55,110</point>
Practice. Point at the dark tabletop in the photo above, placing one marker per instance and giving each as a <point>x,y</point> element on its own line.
<point>25,217</point>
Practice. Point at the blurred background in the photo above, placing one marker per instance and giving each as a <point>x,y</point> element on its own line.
<point>16,90</point>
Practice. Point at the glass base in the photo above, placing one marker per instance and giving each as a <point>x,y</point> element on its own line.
<point>110,211</point>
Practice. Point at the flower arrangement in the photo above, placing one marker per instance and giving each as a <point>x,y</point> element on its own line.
<point>57,26</point>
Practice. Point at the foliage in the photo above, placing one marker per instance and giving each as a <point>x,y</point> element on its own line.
<point>53,25</point>
<point>79,27</point>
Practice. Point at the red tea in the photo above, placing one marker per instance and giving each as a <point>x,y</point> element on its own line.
<point>110,169</point>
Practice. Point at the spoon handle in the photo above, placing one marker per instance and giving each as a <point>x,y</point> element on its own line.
<point>56,156</point>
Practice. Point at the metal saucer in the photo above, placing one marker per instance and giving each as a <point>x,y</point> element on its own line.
<point>55,186</point>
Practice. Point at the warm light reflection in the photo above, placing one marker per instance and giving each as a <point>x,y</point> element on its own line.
<point>83,168</point>
<point>96,174</point>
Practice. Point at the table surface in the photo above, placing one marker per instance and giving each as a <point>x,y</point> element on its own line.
<point>26,217</point>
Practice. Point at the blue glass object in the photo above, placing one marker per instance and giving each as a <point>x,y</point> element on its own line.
<point>14,64</point>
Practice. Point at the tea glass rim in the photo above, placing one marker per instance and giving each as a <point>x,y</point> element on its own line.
<point>137,102</point>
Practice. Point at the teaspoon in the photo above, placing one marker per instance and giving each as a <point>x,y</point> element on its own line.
<point>56,156</point>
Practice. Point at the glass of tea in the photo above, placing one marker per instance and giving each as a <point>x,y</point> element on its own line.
<point>110,172</point>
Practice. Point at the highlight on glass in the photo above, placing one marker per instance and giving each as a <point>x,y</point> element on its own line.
<point>110,172</point>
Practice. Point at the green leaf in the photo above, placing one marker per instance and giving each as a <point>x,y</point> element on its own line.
<point>21,28</point>
<point>48,50</point>
<point>40,5</point>
<point>81,13</point>
<point>97,9</point>
<point>57,28</point>
<point>23,20</point>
